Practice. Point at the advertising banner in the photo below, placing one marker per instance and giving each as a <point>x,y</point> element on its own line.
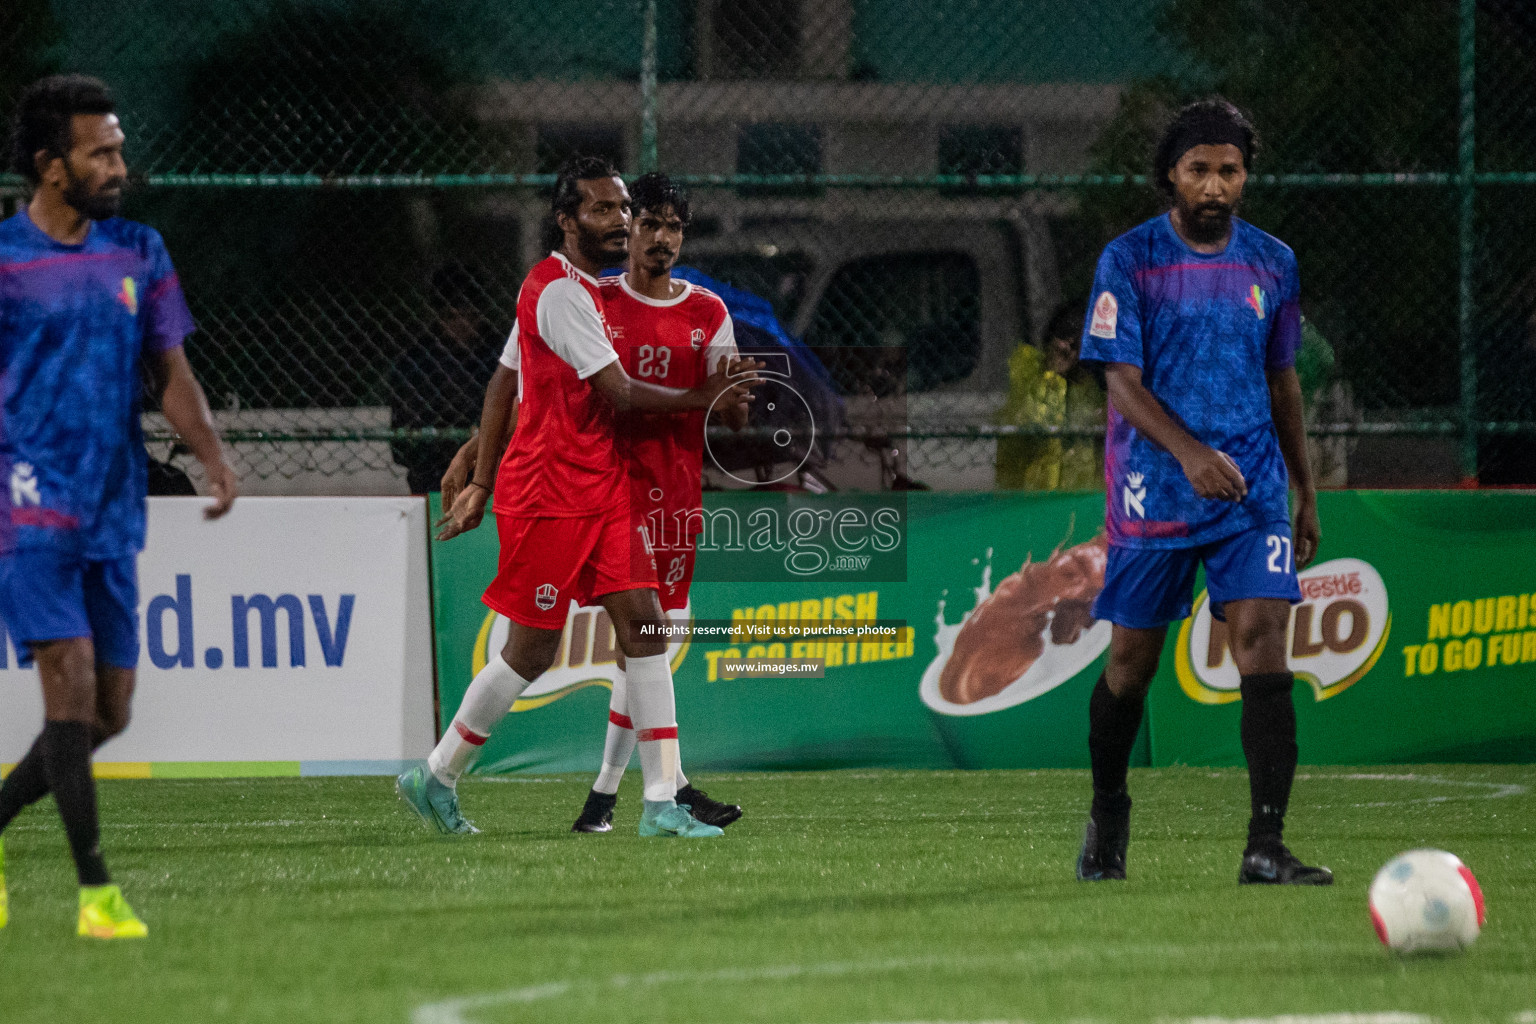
<point>1004,686</point>
<point>290,637</point>
<point>1415,641</point>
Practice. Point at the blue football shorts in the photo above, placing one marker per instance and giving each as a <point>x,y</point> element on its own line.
<point>1147,588</point>
<point>51,595</point>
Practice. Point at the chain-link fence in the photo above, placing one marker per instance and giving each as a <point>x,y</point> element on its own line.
<point>353,189</point>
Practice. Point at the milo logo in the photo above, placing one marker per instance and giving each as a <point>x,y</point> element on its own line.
<point>1337,632</point>
<point>589,651</point>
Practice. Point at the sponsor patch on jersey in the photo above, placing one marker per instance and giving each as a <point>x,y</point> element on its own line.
<point>1135,493</point>
<point>129,296</point>
<point>696,339</point>
<point>544,597</point>
<point>24,486</point>
<point>1106,314</point>
<point>1256,300</point>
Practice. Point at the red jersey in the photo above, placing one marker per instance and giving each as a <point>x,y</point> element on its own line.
<point>674,343</point>
<point>561,461</point>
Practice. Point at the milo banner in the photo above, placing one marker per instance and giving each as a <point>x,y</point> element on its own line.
<point>1415,639</point>
<point>1414,642</point>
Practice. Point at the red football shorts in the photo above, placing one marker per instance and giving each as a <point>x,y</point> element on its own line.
<point>674,574</point>
<point>547,562</point>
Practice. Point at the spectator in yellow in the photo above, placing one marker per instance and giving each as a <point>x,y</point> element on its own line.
<point>1048,387</point>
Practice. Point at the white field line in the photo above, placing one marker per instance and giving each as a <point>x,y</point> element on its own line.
<point>1527,1017</point>
<point>1475,790</point>
<point>1472,791</point>
<point>524,780</point>
<point>1319,1018</point>
<point>456,1010</point>
<point>112,826</point>
<point>451,1011</point>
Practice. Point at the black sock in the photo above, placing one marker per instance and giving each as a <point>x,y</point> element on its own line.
<point>25,786</point>
<point>1112,726</point>
<point>28,781</point>
<point>67,762</point>
<point>1269,744</point>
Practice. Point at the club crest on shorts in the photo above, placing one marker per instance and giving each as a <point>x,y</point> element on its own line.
<point>696,339</point>
<point>1106,314</point>
<point>1135,494</point>
<point>544,597</point>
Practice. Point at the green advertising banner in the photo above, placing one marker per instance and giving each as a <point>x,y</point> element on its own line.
<point>1005,692</point>
<point>1415,642</point>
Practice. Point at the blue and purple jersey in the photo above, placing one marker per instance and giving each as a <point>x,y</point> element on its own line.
<point>74,322</point>
<point>1204,329</point>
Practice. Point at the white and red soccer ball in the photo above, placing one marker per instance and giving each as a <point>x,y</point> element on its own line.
<point>1426,900</point>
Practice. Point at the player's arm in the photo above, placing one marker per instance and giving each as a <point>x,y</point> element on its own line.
<point>1285,409</point>
<point>630,395</point>
<point>498,418</point>
<point>186,407</point>
<point>722,349</point>
<point>1213,474</point>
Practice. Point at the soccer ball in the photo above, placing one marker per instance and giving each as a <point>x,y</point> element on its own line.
<point>1426,899</point>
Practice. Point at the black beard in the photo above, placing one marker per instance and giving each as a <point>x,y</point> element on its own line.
<point>593,247</point>
<point>1204,226</point>
<point>95,206</point>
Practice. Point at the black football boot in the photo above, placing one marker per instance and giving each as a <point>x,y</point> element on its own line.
<point>596,813</point>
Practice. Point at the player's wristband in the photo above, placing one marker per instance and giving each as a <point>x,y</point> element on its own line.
<point>477,483</point>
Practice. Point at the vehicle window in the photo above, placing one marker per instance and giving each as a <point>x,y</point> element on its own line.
<point>776,276</point>
<point>906,322</point>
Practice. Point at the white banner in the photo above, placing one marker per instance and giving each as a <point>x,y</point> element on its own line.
<point>291,630</point>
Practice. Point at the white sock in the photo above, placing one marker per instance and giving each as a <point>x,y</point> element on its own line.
<point>485,703</point>
<point>620,742</point>
<point>654,711</point>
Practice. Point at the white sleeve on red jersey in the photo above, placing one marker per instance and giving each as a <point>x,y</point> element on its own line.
<point>723,344</point>
<point>569,322</point>
<point>511,358</point>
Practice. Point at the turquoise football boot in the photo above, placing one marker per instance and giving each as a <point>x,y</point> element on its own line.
<point>433,802</point>
<point>672,821</point>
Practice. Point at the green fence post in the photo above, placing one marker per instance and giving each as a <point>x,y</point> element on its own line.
<point>648,160</point>
<point>1467,188</point>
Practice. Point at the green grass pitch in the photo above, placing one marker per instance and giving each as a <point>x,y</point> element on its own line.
<point>840,897</point>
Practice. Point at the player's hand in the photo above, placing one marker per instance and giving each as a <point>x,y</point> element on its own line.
<point>731,383</point>
<point>744,371</point>
<point>742,365</point>
<point>465,514</point>
<point>458,473</point>
<point>224,485</point>
<point>1213,474</point>
<point>1308,533</point>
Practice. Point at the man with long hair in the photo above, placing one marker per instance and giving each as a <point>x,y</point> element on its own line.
<point>1195,315</point>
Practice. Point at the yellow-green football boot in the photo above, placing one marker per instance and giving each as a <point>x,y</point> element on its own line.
<point>104,914</point>
<point>5,914</point>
